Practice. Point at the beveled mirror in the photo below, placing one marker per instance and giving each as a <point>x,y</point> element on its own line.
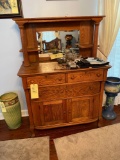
<point>50,41</point>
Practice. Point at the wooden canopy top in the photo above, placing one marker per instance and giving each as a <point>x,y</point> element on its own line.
<point>57,19</point>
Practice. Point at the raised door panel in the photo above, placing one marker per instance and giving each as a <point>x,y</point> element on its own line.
<point>96,106</point>
<point>83,110</point>
<point>49,114</point>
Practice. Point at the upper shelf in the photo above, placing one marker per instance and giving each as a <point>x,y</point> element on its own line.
<point>87,25</point>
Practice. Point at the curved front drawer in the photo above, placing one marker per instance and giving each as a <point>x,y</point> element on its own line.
<point>67,91</point>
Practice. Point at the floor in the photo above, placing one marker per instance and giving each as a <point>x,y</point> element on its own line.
<point>24,131</point>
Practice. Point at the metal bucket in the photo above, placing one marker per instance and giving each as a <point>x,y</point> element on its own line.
<point>11,109</point>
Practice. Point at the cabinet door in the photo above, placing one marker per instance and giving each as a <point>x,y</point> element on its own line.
<point>49,114</point>
<point>83,110</point>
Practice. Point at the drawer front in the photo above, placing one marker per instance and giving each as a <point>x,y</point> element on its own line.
<point>83,89</point>
<point>46,79</point>
<point>68,91</point>
<point>96,75</point>
<point>52,92</point>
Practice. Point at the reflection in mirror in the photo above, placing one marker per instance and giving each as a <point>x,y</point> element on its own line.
<point>51,41</point>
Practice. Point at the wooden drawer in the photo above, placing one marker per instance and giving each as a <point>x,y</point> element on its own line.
<point>50,93</point>
<point>46,79</point>
<point>96,75</point>
<point>67,91</point>
<point>83,89</point>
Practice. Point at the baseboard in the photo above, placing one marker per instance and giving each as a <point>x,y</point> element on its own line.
<point>24,114</point>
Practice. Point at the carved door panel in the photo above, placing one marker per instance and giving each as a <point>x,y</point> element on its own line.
<point>83,109</point>
<point>49,114</point>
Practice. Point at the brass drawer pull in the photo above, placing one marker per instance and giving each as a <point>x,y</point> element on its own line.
<point>60,79</point>
<point>91,88</point>
<point>98,75</point>
<point>73,77</point>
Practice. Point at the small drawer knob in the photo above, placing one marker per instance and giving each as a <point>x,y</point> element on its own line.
<point>98,75</point>
<point>60,79</point>
<point>91,88</point>
<point>72,77</point>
